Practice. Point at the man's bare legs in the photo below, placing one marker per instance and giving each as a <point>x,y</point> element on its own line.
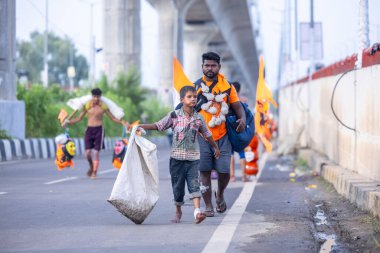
<point>205,178</point>
<point>223,179</point>
<point>95,163</point>
<point>244,177</point>
<point>89,159</point>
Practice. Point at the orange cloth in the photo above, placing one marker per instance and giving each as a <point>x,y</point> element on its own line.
<point>252,168</point>
<point>179,77</point>
<point>222,86</point>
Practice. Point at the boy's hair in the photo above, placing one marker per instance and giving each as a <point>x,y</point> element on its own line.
<point>186,89</point>
<point>96,92</point>
<point>237,86</point>
<point>211,56</point>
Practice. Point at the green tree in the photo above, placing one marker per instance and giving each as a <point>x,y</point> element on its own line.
<point>62,54</point>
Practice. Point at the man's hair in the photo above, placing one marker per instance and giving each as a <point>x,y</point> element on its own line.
<point>211,56</point>
<point>237,86</point>
<point>186,89</point>
<point>96,92</point>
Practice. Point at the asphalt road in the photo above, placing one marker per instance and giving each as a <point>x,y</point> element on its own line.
<point>45,210</point>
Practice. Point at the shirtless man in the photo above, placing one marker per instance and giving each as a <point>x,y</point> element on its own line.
<point>93,140</point>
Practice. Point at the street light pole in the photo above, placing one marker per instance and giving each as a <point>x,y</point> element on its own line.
<point>46,67</point>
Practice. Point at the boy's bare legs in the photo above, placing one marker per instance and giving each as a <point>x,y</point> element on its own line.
<point>232,169</point>
<point>198,215</point>
<point>89,159</point>
<point>178,214</point>
<point>205,178</point>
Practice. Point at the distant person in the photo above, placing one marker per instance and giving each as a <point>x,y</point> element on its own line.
<point>186,123</point>
<point>242,159</point>
<point>93,139</point>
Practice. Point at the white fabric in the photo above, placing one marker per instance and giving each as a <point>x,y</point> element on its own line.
<point>61,139</point>
<point>249,156</point>
<point>135,191</point>
<point>79,103</point>
<point>196,211</point>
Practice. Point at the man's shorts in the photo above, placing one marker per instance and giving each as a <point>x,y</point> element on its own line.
<point>94,138</point>
<point>208,161</point>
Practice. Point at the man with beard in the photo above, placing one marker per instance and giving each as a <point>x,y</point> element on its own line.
<point>218,95</point>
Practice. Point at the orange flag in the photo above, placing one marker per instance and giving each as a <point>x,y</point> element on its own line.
<point>179,77</point>
<point>263,98</point>
<point>62,115</point>
<point>263,93</point>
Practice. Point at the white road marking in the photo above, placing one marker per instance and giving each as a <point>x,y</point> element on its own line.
<point>107,171</point>
<point>2,193</point>
<point>61,180</point>
<point>223,234</point>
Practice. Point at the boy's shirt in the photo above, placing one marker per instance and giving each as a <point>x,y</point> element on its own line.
<point>185,143</point>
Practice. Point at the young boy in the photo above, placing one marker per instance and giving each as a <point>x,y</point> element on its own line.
<point>184,156</point>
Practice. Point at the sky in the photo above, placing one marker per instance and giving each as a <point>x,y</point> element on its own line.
<point>72,18</point>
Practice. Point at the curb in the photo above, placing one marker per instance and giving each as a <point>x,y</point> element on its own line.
<point>362,191</point>
<point>44,148</point>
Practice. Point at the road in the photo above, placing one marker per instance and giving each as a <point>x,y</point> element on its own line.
<point>45,210</point>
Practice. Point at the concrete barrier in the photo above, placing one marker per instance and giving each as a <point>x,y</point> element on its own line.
<point>45,148</point>
<point>362,191</point>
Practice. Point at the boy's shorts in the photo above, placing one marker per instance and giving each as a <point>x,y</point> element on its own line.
<point>208,161</point>
<point>94,138</point>
<point>182,171</point>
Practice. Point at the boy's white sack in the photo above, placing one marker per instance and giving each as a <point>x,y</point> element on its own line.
<point>135,191</point>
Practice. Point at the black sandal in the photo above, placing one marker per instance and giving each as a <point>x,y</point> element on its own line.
<point>209,213</point>
<point>221,205</point>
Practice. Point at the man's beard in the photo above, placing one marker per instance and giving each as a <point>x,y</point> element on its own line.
<point>210,74</point>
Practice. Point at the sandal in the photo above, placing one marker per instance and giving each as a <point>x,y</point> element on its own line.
<point>209,213</point>
<point>221,205</point>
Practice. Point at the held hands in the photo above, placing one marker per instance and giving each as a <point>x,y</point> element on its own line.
<point>216,153</point>
<point>241,125</point>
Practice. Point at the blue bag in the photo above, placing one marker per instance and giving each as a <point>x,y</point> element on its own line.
<point>239,141</point>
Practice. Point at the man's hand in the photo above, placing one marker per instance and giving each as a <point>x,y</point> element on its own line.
<point>216,153</point>
<point>65,123</point>
<point>241,125</point>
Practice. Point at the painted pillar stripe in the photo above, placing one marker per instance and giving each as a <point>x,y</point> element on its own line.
<point>8,151</point>
<point>47,148</point>
<point>17,143</point>
<point>52,148</point>
<point>2,151</point>
<point>23,148</point>
<point>35,149</point>
<point>13,148</point>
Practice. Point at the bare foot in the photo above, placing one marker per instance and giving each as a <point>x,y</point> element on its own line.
<point>93,175</point>
<point>177,218</point>
<point>232,179</point>
<point>200,218</point>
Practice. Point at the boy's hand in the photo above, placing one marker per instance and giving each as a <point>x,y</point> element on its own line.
<point>140,131</point>
<point>216,153</point>
<point>125,124</point>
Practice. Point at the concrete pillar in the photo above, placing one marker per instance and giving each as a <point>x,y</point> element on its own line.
<point>122,36</point>
<point>12,112</point>
<point>167,40</point>
<point>196,43</point>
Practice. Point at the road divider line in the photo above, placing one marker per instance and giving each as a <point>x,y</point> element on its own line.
<point>2,193</point>
<point>107,171</point>
<point>61,180</point>
<point>223,234</point>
